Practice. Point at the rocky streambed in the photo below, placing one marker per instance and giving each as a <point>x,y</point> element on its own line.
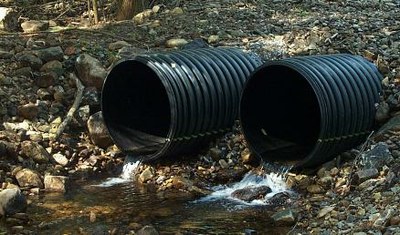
<point>45,69</point>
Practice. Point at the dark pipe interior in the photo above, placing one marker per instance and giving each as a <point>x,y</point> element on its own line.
<point>136,108</point>
<point>280,114</point>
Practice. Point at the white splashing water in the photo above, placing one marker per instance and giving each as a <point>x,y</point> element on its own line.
<point>276,182</point>
<point>128,171</point>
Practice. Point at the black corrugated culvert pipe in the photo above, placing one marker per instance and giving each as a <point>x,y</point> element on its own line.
<point>305,110</point>
<point>167,103</point>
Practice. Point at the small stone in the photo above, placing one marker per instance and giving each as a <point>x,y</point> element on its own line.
<point>176,42</point>
<point>98,131</point>
<point>196,43</point>
<point>51,53</point>
<point>364,175</point>
<point>32,26</point>
<point>176,11</point>
<point>213,39</point>
<point>53,66</point>
<point>92,217</point>
<point>395,220</point>
<point>5,55</point>
<point>384,218</point>
<point>156,9</point>
<point>315,189</point>
<point>246,156</point>
<point>24,71</point>
<point>46,79</point>
<point>223,164</point>
<point>28,111</point>
<point>90,71</point>
<point>324,211</point>
<point>382,112</point>
<point>147,230</point>
<point>12,201</point>
<point>29,178</point>
<point>215,153</point>
<point>378,156</point>
<point>60,159</point>
<point>56,183</point>
<point>118,45</point>
<point>28,59</point>
<point>4,80</point>
<point>146,175</point>
<point>285,217</point>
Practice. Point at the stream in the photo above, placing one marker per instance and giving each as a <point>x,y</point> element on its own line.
<point>118,205</point>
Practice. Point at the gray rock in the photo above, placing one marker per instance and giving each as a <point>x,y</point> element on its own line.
<point>118,45</point>
<point>24,71</point>
<point>28,111</point>
<point>392,125</point>
<point>249,194</point>
<point>90,71</point>
<point>147,230</point>
<point>5,55</point>
<point>176,42</point>
<point>53,66</point>
<point>9,19</point>
<point>366,174</point>
<point>51,53</point>
<point>146,175</point>
<point>196,43</point>
<point>56,183</point>
<point>12,201</point>
<point>29,178</point>
<point>4,80</point>
<point>246,156</point>
<point>46,79</point>
<point>129,52</point>
<point>285,217</point>
<point>35,152</point>
<point>32,26</point>
<point>384,218</point>
<point>377,157</point>
<point>98,131</point>
<point>223,164</point>
<point>215,153</point>
<point>60,159</point>
<point>27,59</point>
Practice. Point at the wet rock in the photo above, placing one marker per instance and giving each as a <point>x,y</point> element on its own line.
<point>250,232</point>
<point>146,175</point>
<point>51,53</point>
<point>279,199</point>
<point>29,178</point>
<point>28,111</point>
<point>9,19</point>
<point>176,42</point>
<point>392,125</point>
<point>366,174</point>
<point>56,183</point>
<point>178,182</point>
<point>32,26</point>
<point>90,71</point>
<point>118,45</point>
<point>27,59</point>
<point>54,66</point>
<point>246,156</point>
<point>249,194</point>
<point>98,131</point>
<point>223,164</point>
<point>378,156</point>
<point>60,159</point>
<point>147,230</point>
<point>285,217</point>
<point>35,152</point>
<point>196,43</point>
<point>12,201</point>
<point>44,80</point>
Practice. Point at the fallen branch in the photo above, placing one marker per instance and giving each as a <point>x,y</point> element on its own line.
<point>74,107</point>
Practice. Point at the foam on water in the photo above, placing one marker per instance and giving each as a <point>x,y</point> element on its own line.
<point>276,182</point>
<point>128,170</point>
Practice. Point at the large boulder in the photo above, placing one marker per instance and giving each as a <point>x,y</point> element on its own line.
<point>90,71</point>
<point>12,201</point>
<point>32,26</point>
<point>9,19</point>
<point>56,183</point>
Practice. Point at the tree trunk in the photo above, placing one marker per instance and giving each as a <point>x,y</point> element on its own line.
<point>128,8</point>
<point>95,12</point>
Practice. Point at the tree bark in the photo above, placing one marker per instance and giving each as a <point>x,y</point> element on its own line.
<point>95,12</point>
<point>128,8</point>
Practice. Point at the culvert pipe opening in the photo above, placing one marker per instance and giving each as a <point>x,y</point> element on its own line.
<point>136,108</point>
<point>280,114</point>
